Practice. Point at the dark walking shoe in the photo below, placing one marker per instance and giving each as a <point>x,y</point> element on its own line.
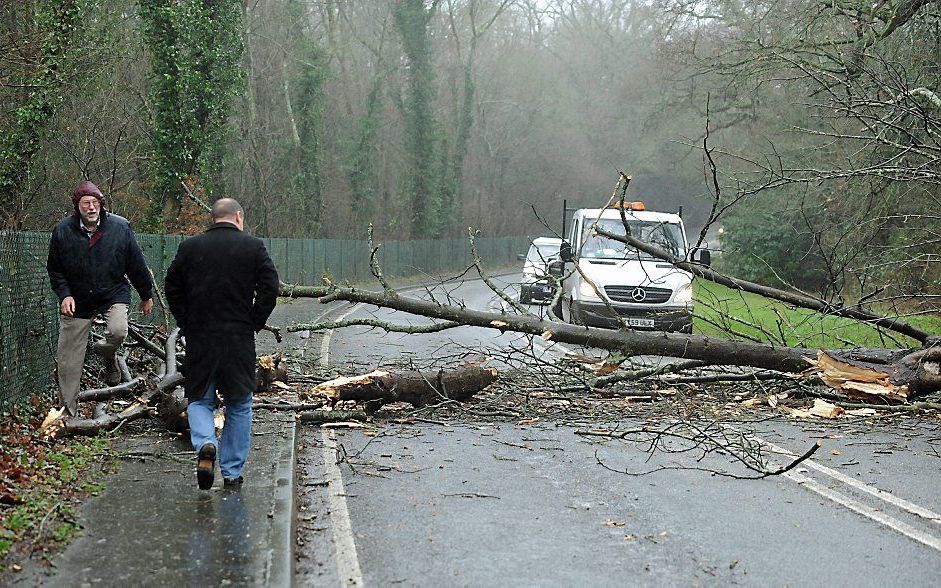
<point>112,371</point>
<point>232,482</point>
<point>206,466</point>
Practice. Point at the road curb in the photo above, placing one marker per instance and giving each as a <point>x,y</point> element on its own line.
<point>284,507</point>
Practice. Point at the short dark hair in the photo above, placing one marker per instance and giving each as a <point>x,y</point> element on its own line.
<point>225,208</point>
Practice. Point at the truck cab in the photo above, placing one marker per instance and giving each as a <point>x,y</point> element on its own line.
<point>615,285</point>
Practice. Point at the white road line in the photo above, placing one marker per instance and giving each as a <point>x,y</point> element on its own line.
<point>347,561</point>
<point>343,541</point>
<point>877,492</point>
<point>552,348</point>
<point>853,504</point>
<point>867,511</point>
<point>319,318</point>
<point>325,342</point>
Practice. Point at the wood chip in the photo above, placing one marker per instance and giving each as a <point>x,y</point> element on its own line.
<point>343,425</point>
<point>821,408</point>
<point>54,414</point>
<point>861,412</point>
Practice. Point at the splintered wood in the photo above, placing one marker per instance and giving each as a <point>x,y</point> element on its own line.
<point>53,422</point>
<point>351,385</point>
<point>857,381</point>
<point>821,408</point>
<point>271,370</point>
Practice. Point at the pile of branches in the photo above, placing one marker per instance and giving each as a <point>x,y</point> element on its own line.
<point>156,392</point>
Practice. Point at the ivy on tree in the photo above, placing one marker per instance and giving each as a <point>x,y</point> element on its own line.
<point>195,49</point>
<point>55,22</point>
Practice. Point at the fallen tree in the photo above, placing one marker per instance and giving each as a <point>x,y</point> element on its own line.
<point>56,423</point>
<point>166,401</point>
<point>878,375</point>
<point>910,372</point>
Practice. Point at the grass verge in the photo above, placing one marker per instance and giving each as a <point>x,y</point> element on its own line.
<point>727,313</point>
<point>42,484</point>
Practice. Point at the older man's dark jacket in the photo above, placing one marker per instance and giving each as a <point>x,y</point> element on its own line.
<point>221,288</point>
<point>92,271</point>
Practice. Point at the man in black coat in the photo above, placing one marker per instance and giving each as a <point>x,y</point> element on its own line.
<point>221,288</point>
<point>92,253</point>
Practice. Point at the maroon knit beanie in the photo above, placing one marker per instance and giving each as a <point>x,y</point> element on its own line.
<point>86,188</point>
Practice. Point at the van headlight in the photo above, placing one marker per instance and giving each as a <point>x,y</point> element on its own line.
<point>587,292</point>
<point>684,294</point>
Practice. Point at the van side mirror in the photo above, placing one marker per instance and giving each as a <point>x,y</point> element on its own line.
<point>565,251</point>
<point>705,257</point>
<point>520,257</point>
<point>557,268</point>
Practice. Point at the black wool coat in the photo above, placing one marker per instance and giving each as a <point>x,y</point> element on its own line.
<point>92,271</point>
<point>221,288</point>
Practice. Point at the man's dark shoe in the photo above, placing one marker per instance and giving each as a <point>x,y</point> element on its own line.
<point>232,482</point>
<point>206,466</point>
<point>112,371</point>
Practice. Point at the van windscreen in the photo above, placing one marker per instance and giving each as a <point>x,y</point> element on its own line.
<point>667,236</point>
<point>542,253</point>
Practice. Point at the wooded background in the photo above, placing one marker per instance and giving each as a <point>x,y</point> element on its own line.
<point>426,116</point>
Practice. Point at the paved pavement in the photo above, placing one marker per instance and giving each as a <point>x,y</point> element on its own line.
<point>153,527</point>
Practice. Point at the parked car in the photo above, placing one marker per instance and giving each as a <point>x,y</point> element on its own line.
<point>536,285</point>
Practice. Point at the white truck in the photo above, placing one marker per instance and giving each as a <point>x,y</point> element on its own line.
<point>616,285</point>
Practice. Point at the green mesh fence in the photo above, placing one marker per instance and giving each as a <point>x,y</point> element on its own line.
<point>28,317</point>
<point>29,322</point>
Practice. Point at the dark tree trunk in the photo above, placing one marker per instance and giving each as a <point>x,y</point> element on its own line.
<point>416,388</point>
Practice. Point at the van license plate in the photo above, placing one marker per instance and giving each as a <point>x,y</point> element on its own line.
<point>639,322</point>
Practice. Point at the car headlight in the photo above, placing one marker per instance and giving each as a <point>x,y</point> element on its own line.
<point>587,292</point>
<point>684,294</point>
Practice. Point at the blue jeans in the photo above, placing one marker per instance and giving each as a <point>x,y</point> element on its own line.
<point>236,433</point>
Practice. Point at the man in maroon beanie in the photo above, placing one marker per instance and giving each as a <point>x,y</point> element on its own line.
<point>92,254</point>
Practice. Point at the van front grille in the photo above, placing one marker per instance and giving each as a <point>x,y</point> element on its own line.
<point>638,294</point>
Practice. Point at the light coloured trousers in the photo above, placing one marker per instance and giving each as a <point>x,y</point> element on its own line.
<point>73,341</point>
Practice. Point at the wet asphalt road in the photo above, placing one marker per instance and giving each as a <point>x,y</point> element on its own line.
<point>482,504</point>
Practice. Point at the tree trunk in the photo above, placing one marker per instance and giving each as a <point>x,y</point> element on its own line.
<point>416,388</point>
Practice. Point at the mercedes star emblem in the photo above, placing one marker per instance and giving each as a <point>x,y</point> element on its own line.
<point>638,294</point>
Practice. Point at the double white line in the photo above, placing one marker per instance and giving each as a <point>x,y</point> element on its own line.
<point>858,506</point>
